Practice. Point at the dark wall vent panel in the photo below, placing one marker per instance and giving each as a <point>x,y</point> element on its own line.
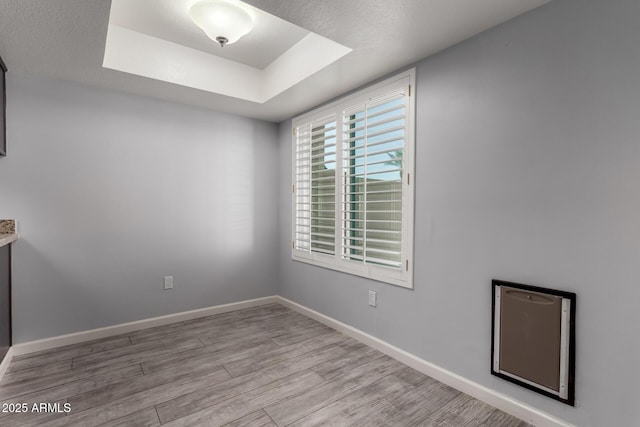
<point>534,338</point>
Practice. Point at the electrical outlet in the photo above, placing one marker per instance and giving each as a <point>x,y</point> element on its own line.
<point>372,298</point>
<point>168,282</point>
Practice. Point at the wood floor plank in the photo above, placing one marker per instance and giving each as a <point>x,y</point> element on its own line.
<point>60,393</point>
<point>135,353</point>
<point>383,415</point>
<point>424,400</point>
<point>297,407</point>
<point>501,419</point>
<point>188,328</point>
<point>181,332</point>
<point>278,326</point>
<point>337,367</point>
<point>245,403</point>
<point>302,335</point>
<point>412,407</point>
<point>357,404</point>
<point>461,411</point>
<point>206,355</point>
<point>412,376</point>
<point>203,325</point>
<point>282,317</point>
<point>254,419</point>
<point>250,313</point>
<point>111,392</point>
<point>242,333</point>
<point>130,404</point>
<point>265,366</point>
<point>188,403</point>
<point>250,364</point>
<point>306,322</point>
<point>73,388</point>
<point>144,418</point>
<point>48,357</point>
<point>267,323</point>
<point>258,315</point>
<point>35,372</point>
<point>60,379</point>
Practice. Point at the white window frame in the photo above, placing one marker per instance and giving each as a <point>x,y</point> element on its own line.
<point>401,277</point>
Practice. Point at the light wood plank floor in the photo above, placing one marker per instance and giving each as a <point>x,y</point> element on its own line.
<point>263,366</point>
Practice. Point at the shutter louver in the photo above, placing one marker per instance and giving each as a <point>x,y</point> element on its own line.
<point>373,145</point>
<point>316,186</point>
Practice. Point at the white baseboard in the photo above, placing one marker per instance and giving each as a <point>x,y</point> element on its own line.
<point>480,392</point>
<point>5,362</point>
<point>123,328</point>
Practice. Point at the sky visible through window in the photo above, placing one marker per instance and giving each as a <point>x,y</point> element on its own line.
<point>383,160</point>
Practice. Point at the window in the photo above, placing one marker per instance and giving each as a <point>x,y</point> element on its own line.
<point>352,183</point>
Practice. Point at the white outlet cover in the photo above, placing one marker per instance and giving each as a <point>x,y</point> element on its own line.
<point>372,298</point>
<point>168,282</point>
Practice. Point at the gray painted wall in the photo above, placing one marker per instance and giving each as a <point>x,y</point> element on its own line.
<point>112,192</point>
<point>528,169</point>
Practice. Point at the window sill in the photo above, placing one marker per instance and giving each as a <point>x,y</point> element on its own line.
<point>367,272</point>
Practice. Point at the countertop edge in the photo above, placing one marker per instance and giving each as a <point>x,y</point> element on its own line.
<point>5,239</point>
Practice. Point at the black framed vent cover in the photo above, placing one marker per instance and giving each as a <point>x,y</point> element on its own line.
<point>533,331</point>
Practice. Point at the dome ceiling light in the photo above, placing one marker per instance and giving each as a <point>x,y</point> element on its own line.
<point>224,21</point>
<point>159,40</point>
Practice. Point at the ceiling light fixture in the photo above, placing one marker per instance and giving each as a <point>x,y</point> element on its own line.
<point>224,21</point>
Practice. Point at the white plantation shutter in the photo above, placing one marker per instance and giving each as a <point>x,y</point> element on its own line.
<point>373,148</point>
<point>353,198</point>
<point>316,186</point>
<point>302,189</point>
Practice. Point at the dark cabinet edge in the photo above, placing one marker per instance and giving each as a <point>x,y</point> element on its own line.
<point>3,143</point>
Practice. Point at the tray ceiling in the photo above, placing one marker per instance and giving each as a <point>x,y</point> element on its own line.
<point>66,39</point>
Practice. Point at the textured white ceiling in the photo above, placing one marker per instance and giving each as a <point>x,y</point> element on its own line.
<point>66,38</point>
<point>169,20</point>
<point>167,46</point>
